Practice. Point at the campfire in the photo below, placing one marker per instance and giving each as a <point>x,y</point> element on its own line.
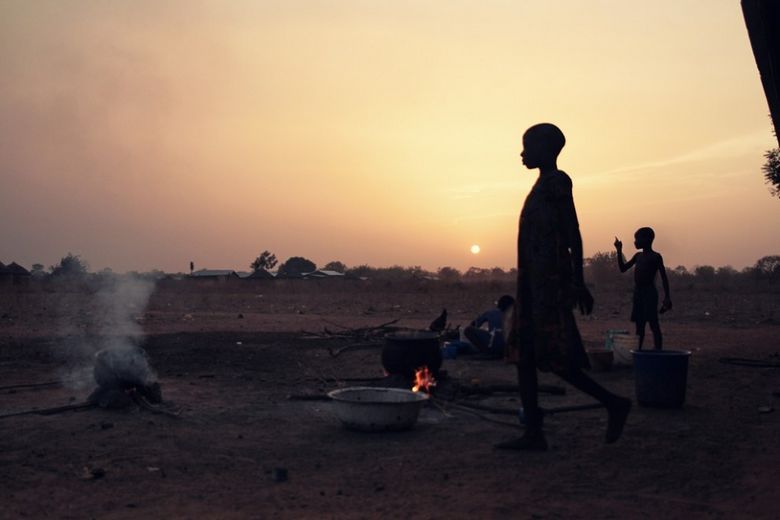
<point>123,376</point>
<point>423,380</point>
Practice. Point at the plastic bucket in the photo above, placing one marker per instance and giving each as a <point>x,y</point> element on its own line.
<point>450,350</point>
<point>622,346</point>
<point>660,377</point>
<point>611,333</point>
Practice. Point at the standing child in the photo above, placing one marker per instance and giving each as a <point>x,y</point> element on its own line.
<point>648,263</point>
<point>549,284</point>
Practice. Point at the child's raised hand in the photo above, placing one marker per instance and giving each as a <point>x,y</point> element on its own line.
<point>618,244</point>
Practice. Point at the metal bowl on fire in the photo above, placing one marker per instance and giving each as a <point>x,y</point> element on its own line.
<point>377,409</point>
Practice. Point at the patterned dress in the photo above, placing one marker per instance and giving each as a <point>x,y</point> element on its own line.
<point>544,323</point>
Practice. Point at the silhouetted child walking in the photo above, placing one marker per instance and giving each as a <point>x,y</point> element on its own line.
<point>648,263</point>
<point>550,283</point>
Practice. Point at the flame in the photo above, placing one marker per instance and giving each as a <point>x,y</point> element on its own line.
<point>423,380</point>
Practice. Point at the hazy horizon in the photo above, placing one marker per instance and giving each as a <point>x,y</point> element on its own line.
<point>142,136</point>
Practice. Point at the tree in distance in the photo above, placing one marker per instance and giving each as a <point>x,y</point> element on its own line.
<point>704,273</point>
<point>70,265</point>
<point>335,265</point>
<point>771,171</point>
<point>768,267</point>
<point>448,274</point>
<point>602,268</point>
<point>295,266</point>
<point>267,260</point>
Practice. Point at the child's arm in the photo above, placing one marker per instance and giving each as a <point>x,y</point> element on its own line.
<point>665,281</point>
<point>571,229</point>
<point>622,264</point>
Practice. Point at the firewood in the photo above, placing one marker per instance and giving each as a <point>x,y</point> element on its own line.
<point>146,405</point>
<point>50,411</point>
<point>359,346</point>
<point>31,385</point>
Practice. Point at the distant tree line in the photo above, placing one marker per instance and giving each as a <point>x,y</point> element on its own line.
<point>600,271</point>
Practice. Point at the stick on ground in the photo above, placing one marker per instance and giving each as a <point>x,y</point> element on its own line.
<point>31,385</point>
<point>51,411</point>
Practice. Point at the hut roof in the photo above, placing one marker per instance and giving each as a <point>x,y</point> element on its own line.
<point>261,274</point>
<point>16,270</point>
<point>206,273</point>
<point>322,273</point>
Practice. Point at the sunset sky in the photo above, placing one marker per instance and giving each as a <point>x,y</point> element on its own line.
<point>144,135</point>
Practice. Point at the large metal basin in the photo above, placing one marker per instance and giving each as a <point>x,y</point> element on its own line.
<point>371,409</point>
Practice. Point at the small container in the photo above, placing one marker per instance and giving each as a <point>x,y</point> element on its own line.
<point>450,350</point>
<point>610,340</point>
<point>622,345</point>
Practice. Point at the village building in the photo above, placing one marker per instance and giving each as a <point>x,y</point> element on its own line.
<point>215,275</point>
<point>322,273</point>
<point>261,274</point>
<point>13,274</point>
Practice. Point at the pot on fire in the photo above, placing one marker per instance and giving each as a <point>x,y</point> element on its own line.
<point>406,351</point>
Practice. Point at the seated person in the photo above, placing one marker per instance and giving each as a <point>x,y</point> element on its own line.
<point>490,341</point>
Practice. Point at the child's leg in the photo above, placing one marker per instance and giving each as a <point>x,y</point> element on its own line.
<point>640,331</point>
<point>529,395</point>
<point>533,438</point>
<point>617,407</point>
<point>658,339</point>
<point>580,380</point>
<point>479,338</point>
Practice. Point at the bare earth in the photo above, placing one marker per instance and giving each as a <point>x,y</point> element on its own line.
<point>231,378</point>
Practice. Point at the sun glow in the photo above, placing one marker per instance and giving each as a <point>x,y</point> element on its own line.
<point>475,249</point>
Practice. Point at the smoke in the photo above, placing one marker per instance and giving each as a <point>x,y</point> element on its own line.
<point>122,302</point>
<point>102,326</point>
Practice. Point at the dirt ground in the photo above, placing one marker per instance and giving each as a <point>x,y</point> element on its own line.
<point>230,376</point>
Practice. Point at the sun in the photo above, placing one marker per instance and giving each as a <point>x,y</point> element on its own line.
<point>475,249</point>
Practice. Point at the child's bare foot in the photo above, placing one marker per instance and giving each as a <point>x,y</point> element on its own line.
<point>618,413</point>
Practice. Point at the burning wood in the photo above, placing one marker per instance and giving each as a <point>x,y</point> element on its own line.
<point>123,376</point>
<point>423,380</point>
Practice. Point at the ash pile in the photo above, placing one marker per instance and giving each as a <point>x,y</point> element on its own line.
<point>124,377</point>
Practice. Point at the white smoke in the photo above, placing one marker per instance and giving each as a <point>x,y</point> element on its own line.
<point>106,321</point>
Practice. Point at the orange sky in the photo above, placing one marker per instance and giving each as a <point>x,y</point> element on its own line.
<point>144,136</point>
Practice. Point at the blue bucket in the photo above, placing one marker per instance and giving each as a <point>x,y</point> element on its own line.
<point>450,350</point>
<point>661,377</point>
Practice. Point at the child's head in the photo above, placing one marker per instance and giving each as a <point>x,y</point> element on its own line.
<point>505,302</point>
<point>541,145</point>
<point>644,237</point>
